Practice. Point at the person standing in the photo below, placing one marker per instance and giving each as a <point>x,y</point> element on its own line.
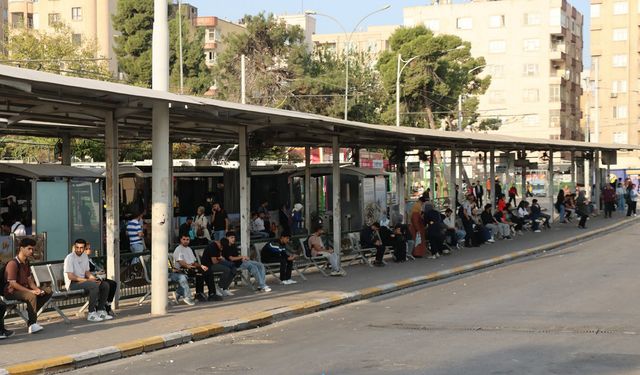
<point>633,200</point>
<point>620,197</point>
<point>513,193</point>
<point>582,210</point>
<point>201,224</point>
<point>609,199</point>
<point>478,192</point>
<point>136,233</point>
<point>22,287</point>
<point>417,230</point>
<point>219,221</point>
<point>77,276</point>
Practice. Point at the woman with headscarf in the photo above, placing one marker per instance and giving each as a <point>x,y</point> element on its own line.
<point>417,229</point>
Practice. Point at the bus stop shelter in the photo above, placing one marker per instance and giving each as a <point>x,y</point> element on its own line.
<point>35,103</point>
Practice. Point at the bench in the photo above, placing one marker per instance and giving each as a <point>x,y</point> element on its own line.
<point>12,305</point>
<point>239,276</point>
<point>273,269</point>
<point>319,262</point>
<point>53,274</point>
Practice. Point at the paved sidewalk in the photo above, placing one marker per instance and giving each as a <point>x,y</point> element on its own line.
<point>135,323</point>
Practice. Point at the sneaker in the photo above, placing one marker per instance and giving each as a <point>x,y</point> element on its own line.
<point>378,264</point>
<point>189,301</point>
<point>214,297</point>
<point>35,327</point>
<point>491,240</point>
<point>104,316</point>
<point>508,238</point>
<point>292,281</point>
<point>537,231</point>
<point>107,308</point>
<point>5,333</point>
<point>201,297</point>
<point>94,317</point>
<point>446,252</point>
<point>434,256</point>
<point>226,293</point>
<point>176,297</point>
<point>335,273</point>
<point>265,289</point>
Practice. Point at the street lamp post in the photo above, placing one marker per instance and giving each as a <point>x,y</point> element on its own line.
<point>348,45</point>
<point>180,45</point>
<point>399,72</point>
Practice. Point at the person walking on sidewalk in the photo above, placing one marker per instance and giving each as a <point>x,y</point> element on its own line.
<point>277,252</point>
<point>77,276</point>
<point>21,286</point>
<point>633,200</point>
<point>232,254</point>
<point>582,210</point>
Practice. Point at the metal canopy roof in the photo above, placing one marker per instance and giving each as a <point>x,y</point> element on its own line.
<point>48,171</point>
<point>44,104</point>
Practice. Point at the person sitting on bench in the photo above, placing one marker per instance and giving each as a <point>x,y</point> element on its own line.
<point>185,260</point>
<point>278,252</point>
<point>370,238</point>
<point>317,249</point>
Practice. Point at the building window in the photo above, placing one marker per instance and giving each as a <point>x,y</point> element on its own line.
<point>211,34</point>
<point>17,20</point>
<point>532,19</point>
<point>531,44</point>
<point>554,118</point>
<point>54,18</point>
<point>496,22</point>
<point>555,93</point>
<point>495,71</point>
<point>620,137</point>
<point>496,97</point>
<point>620,7</point>
<point>620,111</point>
<point>618,86</point>
<point>619,61</point>
<point>497,46</point>
<point>76,14</point>
<point>595,10</point>
<point>530,95</point>
<point>211,57</point>
<point>464,23</point>
<point>530,70</point>
<point>433,25</point>
<point>620,34</point>
<point>531,120</point>
<point>76,39</point>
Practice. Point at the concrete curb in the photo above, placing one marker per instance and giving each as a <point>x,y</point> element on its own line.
<point>96,356</point>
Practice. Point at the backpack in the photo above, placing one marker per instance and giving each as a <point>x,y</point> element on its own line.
<point>3,280</point>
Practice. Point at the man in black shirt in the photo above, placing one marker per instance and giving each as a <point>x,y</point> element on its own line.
<point>370,238</point>
<point>185,228</point>
<point>213,259</point>
<point>277,252</point>
<point>231,253</point>
<point>219,221</point>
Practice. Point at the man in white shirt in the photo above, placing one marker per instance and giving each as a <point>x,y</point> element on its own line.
<point>77,276</point>
<point>18,229</point>
<point>184,259</point>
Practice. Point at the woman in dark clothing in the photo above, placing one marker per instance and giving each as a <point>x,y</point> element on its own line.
<point>581,209</point>
<point>560,206</point>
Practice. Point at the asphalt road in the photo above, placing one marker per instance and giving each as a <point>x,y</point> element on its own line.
<point>573,311</point>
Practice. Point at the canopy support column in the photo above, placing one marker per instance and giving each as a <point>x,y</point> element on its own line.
<point>452,182</point>
<point>573,170</point>
<point>432,176</point>
<point>596,162</point>
<point>112,201</point>
<point>66,149</point>
<point>337,214</point>
<point>484,172</point>
<point>550,186</point>
<point>492,177</point>
<point>245,214</point>
<point>307,189</point>
<point>401,185</point>
<point>523,169</point>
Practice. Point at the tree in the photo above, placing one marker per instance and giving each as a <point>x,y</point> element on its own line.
<point>134,22</point>
<point>432,82</point>
<point>54,52</point>
<point>273,52</point>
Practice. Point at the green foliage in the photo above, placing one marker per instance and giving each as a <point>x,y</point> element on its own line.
<point>54,52</point>
<point>273,53</point>
<point>431,83</point>
<point>134,22</point>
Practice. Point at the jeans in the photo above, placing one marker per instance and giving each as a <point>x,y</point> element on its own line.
<point>621,203</point>
<point>332,258</point>
<point>183,289</point>
<point>218,235</point>
<point>136,248</point>
<point>256,269</point>
<point>227,274</point>
<point>98,293</point>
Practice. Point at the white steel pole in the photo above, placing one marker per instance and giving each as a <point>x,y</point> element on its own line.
<point>492,177</point>
<point>161,217</point>
<point>243,80</point>
<point>245,214</point>
<point>307,189</point>
<point>398,91</point>
<point>337,212</point>
<point>180,46</point>
<point>401,187</point>
<point>550,188</point>
<point>112,201</point>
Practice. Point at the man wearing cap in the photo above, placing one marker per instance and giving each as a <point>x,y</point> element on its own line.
<point>277,252</point>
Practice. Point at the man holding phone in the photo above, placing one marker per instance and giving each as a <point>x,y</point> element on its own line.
<point>78,276</point>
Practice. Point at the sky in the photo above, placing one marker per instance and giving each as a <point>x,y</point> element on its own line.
<point>348,12</point>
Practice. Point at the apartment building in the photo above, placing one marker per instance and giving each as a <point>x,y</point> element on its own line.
<point>615,67</point>
<point>533,51</point>
<point>215,30</point>
<point>306,22</point>
<point>89,20</point>
<point>375,40</point>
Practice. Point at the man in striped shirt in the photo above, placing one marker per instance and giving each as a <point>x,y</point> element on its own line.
<point>135,234</point>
